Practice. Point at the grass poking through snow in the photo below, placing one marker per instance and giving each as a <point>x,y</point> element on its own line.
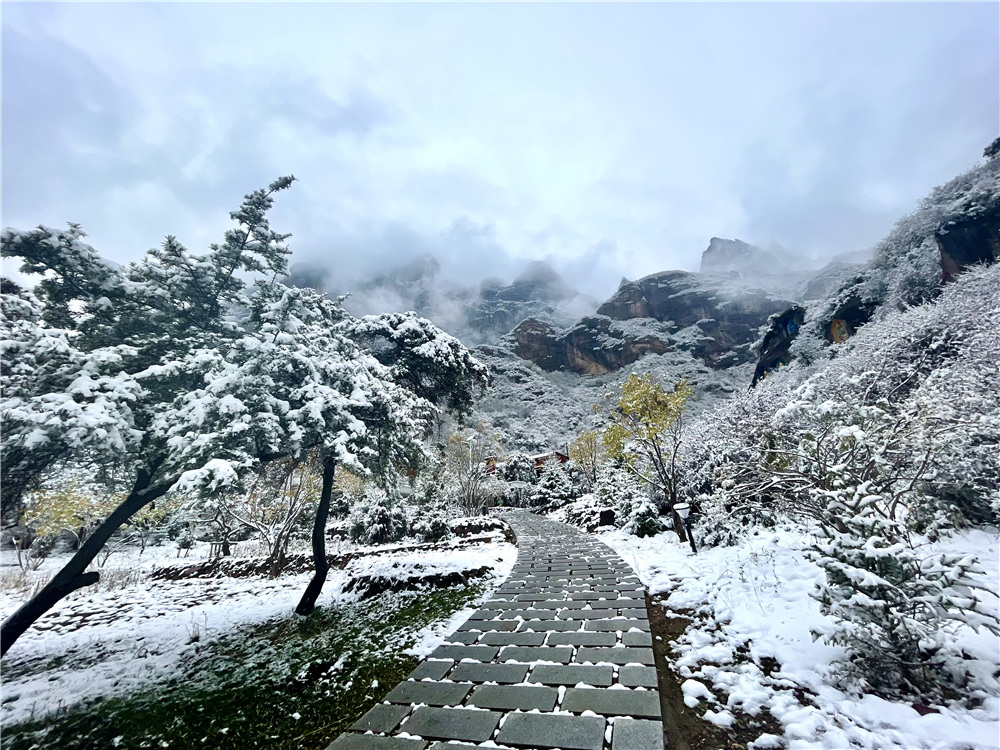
<point>292,683</point>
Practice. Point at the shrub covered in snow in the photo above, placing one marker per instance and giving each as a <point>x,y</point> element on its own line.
<point>554,485</point>
<point>643,519</point>
<point>430,522</point>
<point>896,611</point>
<point>377,519</point>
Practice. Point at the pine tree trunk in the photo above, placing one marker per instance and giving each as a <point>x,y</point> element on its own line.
<point>308,602</point>
<point>73,574</point>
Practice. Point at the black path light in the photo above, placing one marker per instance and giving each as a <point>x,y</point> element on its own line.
<point>684,511</point>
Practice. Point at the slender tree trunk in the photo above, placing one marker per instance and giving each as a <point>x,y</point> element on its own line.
<point>308,602</point>
<point>73,574</point>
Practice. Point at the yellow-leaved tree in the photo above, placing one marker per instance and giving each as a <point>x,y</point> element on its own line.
<point>587,452</point>
<point>644,434</point>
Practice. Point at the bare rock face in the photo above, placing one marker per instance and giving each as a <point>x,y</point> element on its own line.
<point>729,256</point>
<point>670,311</point>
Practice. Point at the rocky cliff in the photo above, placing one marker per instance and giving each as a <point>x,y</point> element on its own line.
<point>715,319</point>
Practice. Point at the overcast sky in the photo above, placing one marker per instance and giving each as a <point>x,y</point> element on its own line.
<point>611,139</point>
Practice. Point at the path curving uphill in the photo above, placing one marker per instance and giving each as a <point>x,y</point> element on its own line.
<point>559,658</point>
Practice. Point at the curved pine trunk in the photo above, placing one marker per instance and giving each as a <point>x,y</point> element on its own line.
<point>308,602</point>
<point>73,574</point>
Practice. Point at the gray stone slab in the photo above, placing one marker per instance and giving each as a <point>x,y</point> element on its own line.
<point>374,742</point>
<point>487,626</point>
<point>478,653</point>
<point>637,639</point>
<point>502,673</point>
<point>528,614</point>
<point>431,693</point>
<point>559,604</point>
<point>635,734</point>
<point>431,670</point>
<point>558,654</point>
<point>625,602</point>
<point>639,614</point>
<point>644,703</point>
<point>514,697</point>
<point>452,724</point>
<point>381,718</point>
<point>582,639</point>
<point>485,614</point>
<point>617,624</point>
<point>553,731</point>
<point>452,746</point>
<point>465,639</point>
<point>615,655</point>
<point>633,676</point>
<point>531,597</point>
<point>546,626</point>
<point>586,614</point>
<point>572,674</point>
<point>515,639</point>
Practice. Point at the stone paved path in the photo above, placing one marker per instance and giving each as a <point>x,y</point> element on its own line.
<point>560,657</point>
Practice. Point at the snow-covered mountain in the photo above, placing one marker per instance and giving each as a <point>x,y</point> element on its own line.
<point>479,313</point>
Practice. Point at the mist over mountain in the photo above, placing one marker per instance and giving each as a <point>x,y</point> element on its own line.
<point>477,313</point>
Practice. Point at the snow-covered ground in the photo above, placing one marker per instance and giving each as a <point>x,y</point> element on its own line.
<point>754,600</point>
<point>110,641</point>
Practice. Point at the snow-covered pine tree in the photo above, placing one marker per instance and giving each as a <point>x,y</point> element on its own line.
<point>212,379</point>
<point>377,519</point>
<point>553,485</point>
<point>894,610</point>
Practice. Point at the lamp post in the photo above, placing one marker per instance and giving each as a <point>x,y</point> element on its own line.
<point>684,511</point>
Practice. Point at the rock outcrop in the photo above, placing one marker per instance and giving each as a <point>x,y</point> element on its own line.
<point>714,320</point>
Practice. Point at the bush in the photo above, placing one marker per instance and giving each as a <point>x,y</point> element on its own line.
<point>894,611</point>
<point>554,484</point>
<point>377,519</point>
<point>643,519</point>
<point>431,525</point>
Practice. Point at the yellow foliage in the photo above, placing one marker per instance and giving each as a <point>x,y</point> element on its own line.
<point>67,507</point>
<point>644,412</point>
<point>587,452</point>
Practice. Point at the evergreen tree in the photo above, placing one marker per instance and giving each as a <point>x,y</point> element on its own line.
<point>554,484</point>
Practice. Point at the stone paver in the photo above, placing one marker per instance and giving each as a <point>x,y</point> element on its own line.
<point>452,723</point>
<point>502,673</point>
<point>431,693</point>
<point>515,697</point>
<point>644,703</point>
<point>551,674</point>
<point>381,718</point>
<point>571,614</point>
<point>553,731</point>
<point>631,734</point>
